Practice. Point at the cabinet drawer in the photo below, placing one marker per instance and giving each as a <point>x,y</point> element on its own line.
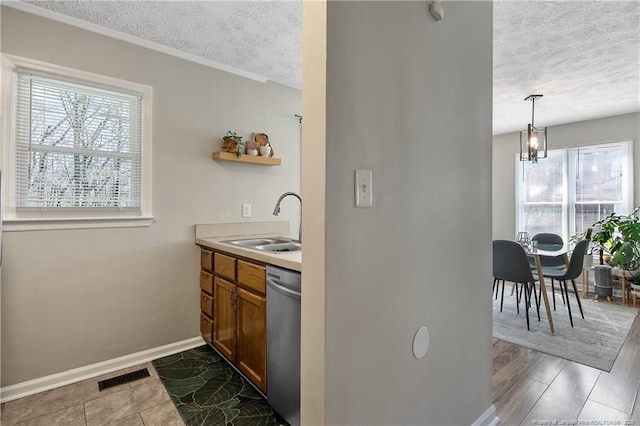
<point>206,303</point>
<point>206,328</point>
<point>251,275</point>
<point>225,266</point>
<point>206,282</point>
<point>206,260</point>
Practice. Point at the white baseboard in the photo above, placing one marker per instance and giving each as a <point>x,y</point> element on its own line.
<point>30,387</point>
<point>488,418</point>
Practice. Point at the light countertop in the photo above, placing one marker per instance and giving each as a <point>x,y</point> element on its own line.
<point>290,260</point>
<point>212,236</point>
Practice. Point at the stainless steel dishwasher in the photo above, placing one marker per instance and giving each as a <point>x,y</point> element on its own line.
<point>283,342</point>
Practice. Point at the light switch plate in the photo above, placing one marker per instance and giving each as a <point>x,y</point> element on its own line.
<point>364,190</point>
<point>246,210</point>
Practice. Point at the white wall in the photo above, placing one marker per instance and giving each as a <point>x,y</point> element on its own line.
<point>73,298</point>
<point>410,99</point>
<point>609,129</point>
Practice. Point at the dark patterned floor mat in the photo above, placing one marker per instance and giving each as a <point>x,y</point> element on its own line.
<point>208,391</point>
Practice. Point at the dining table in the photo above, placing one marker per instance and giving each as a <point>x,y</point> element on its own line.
<point>536,254</point>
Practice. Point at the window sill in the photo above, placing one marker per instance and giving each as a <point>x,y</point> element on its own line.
<point>18,225</point>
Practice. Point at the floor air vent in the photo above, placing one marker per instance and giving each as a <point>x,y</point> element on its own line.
<point>125,378</point>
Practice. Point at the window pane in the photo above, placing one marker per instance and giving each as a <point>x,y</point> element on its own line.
<point>600,184</point>
<point>543,218</point>
<point>67,180</point>
<point>589,213</point>
<point>544,181</point>
<point>70,116</point>
<point>77,145</point>
<point>543,195</point>
<point>600,174</point>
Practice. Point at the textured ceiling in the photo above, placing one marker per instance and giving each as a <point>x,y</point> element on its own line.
<point>261,37</point>
<point>583,56</point>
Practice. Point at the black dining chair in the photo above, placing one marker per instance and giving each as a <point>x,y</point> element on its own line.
<point>510,264</point>
<point>550,242</point>
<point>570,273</point>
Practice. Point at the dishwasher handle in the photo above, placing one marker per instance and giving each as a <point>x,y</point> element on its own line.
<point>283,289</point>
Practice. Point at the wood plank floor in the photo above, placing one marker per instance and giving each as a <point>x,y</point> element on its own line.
<point>530,387</point>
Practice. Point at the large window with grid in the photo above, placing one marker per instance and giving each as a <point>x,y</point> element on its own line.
<point>78,147</point>
<point>571,189</point>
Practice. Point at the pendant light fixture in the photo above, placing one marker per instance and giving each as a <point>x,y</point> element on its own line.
<point>533,141</point>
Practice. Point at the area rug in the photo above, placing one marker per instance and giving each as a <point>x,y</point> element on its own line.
<point>595,340</point>
<point>206,390</point>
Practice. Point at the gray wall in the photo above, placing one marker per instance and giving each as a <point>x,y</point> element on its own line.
<point>410,99</point>
<point>73,298</point>
<point>619,127</point>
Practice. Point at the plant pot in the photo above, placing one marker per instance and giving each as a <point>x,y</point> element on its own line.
<point>588,261</point>
<point>603,276</point>
<point>603,291</point>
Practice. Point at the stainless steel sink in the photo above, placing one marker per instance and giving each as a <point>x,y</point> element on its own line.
<point>254,242</point>
<point>280,247</point>
<point>271,244</point>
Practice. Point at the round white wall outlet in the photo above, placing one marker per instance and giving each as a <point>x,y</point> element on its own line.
<point>421,342</point>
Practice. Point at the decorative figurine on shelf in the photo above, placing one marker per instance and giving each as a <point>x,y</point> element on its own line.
<point>233,143</point>
<point>252,145</point>
<point>261,140</point>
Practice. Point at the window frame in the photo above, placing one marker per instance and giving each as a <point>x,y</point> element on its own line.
<point>569,171</point>
<point>14,219</point>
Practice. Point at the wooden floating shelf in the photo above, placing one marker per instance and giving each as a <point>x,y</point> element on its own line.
<point>246,158</point>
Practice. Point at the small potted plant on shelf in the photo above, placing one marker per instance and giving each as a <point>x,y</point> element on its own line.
<point>233,143</point>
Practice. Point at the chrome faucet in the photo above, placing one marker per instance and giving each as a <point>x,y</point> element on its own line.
<point>276,210</point>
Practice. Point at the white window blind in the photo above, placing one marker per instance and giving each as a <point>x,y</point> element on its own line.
<point>77,146</point>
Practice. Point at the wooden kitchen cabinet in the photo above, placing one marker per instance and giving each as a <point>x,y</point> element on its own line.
<point>224,314</point>
<point>239,314</point>
<point>206,304</point>
<point>251,346</point>
<point>206,295</point>
<point>206,260</point>
<point>224,266</point>
<point>206,328</point>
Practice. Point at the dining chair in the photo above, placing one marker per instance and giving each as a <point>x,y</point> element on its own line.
<point>510,264</point>
<point>570,273</point>
<point>550,242</point>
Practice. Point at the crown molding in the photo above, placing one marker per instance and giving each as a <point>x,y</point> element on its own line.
<point>89,26</point>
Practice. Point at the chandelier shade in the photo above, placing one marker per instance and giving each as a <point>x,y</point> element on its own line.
<point>533,141</point>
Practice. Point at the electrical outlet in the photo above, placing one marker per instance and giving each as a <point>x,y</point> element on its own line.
<point>364,190</point>
<point>246,210</point>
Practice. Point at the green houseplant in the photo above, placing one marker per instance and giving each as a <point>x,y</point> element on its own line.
<point>619,235</point>
<point>233,143</point>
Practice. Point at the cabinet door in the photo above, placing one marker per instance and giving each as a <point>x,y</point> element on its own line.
<point>252,337</point>
<point>224,318</point>
<point>206,326</point>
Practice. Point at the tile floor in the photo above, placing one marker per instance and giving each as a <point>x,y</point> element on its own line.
<point>143,402</point>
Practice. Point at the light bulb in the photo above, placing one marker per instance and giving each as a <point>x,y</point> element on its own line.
<point>533,141</point>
